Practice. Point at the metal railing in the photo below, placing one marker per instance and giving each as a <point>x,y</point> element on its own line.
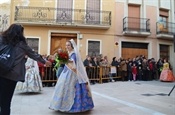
<point>4,22</point>
<point>165,28</point>
<point>136,24</point>
<point>56,16</point>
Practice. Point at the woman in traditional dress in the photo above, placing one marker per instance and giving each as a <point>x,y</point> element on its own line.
<point>72,92</point>
<point>33,81</point>
<point>166,74</point>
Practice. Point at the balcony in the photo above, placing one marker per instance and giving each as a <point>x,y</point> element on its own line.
<point>62,17</point>
<point>165,30</point>
<point>136,26</point>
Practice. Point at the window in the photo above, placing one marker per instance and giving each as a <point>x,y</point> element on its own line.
<point>33,43</point>
<point>64,12</point>
<point>134,17</point>
<point>93,48</point>
<point>93,12</point>
<point>4,22</point>
<point>163,17</point>
<point>163,20</point>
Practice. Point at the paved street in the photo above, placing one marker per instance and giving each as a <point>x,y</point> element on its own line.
<point>117,98</point>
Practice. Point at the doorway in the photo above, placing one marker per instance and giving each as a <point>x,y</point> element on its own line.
<point>58,40</point>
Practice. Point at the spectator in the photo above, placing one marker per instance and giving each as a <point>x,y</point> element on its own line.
<point>14,35</point>
<point>134,71</point>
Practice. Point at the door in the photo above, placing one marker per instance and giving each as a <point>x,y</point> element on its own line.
<point>59,41</point>
<point>133,52</point>
<point>131,49</point>
<point>93,12</point>
<point>134,17</point>
<point>64,11</point>
<point>164,51</point>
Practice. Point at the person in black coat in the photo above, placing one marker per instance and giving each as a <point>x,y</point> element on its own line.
<point>14,36</point>
<point>96,70</point>
<point>88,64</point>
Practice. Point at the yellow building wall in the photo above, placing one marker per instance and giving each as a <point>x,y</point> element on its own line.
<point>42,32</point>
<point>79,4</point>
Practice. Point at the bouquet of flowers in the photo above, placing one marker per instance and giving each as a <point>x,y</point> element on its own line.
<point>63,57</point>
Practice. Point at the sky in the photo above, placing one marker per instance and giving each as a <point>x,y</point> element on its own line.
<point>3,1</point>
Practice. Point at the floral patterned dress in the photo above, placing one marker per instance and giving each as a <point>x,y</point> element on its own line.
<point>32,81</point>
<point>71,96</point>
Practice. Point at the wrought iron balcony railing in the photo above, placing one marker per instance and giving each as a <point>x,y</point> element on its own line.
<point>60,16</point>
<point>165,28</point>
<point>4,23</point>
<point>136,24</point>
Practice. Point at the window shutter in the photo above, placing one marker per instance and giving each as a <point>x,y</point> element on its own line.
<point>64,12</point>
<point>65,4</point>
<point>93,5</point>
<point>93,12</point>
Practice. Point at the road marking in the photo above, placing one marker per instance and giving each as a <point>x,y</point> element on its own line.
<point>150,111</point>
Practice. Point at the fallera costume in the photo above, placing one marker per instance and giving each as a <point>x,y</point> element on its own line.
<point>32,78</point>
<point>72,92</point>
<point>166,74</point>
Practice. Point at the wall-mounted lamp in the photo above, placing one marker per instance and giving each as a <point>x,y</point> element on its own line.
<point>80,36</point>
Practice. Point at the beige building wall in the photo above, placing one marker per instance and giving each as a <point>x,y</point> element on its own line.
<point>105,36</point>
<point>120,14</point>
<point>148,9</point>
<point>152,38</point>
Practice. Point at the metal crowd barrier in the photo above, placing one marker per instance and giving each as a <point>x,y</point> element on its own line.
<point>101,73</point>
<point>48,74</point>
<point>97,74</point>
<point>93,73</point>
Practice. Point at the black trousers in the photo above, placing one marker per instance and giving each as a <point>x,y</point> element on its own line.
<point>7,88</point>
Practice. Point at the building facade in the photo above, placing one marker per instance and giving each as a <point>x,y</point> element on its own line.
<point>145,27</point>
<point>116,28</point>
<point>50,23</point>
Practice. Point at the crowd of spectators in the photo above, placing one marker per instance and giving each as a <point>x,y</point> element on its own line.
<point>131,69</point>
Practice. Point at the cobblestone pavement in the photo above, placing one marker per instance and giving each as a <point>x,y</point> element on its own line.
<point>113,98</point>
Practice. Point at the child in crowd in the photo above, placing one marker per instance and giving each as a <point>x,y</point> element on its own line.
<point>134,71</point>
